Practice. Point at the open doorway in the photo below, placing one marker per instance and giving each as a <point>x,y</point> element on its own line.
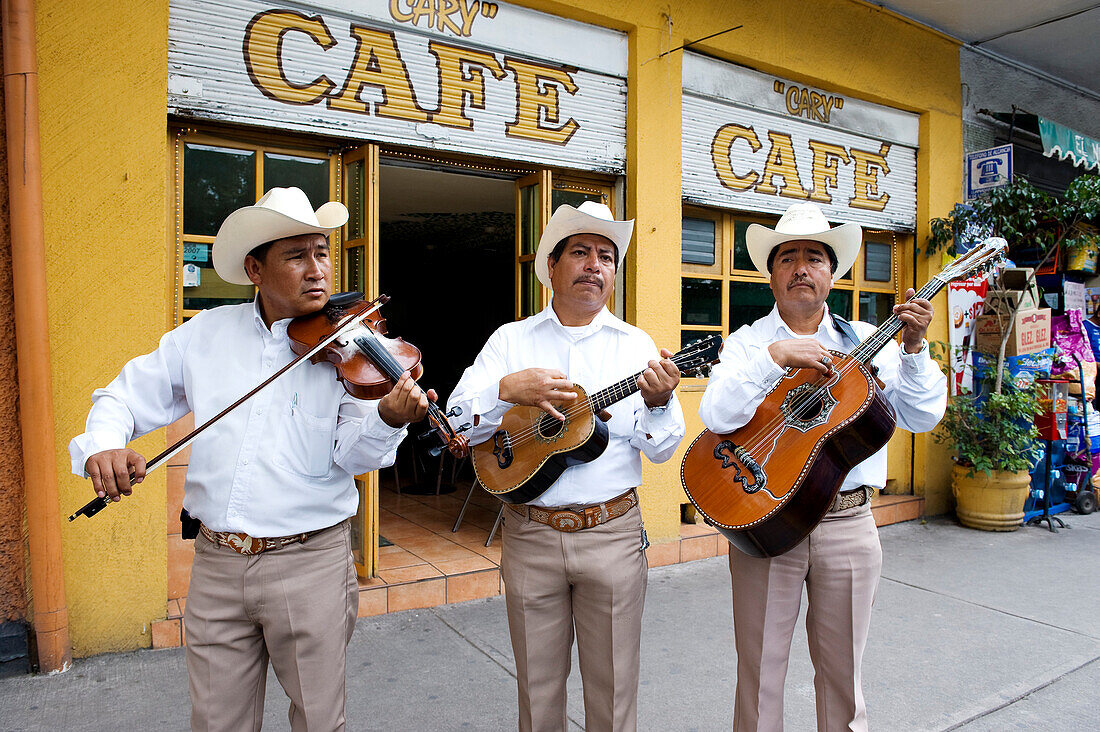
<point>447,260</point>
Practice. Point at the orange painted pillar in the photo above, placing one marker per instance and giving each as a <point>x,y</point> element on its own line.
<point>51,619</point>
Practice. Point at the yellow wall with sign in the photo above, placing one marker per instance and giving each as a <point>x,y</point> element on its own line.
<point>110,274</point>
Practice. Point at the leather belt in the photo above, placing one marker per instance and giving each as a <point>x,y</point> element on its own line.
<point>581,517</point>
<point>250,545</point>
<point>852,498</point>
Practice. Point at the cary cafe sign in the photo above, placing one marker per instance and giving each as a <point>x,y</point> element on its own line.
<point>460,83</point>
<point>740,171</point>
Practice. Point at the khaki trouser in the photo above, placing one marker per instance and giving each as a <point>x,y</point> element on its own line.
<point>296,605</point>
<point>839,562</point>
<point>593,580</point>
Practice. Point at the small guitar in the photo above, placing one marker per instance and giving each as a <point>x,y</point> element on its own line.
<point>532,449</point>
<point>766,485</point>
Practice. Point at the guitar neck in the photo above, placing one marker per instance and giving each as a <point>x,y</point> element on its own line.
<point>867,350</point>
<point>618,391</point>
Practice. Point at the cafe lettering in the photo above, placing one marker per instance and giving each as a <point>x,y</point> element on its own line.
<point>755,143</point>
<point>378,63</point>
<point>780,168</point>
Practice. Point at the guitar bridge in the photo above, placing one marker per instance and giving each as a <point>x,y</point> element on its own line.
<point>502,448</point>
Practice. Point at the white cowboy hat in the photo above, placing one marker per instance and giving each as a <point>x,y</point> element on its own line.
<point>805,221</point>
<point>588,218</point>
<point>282,212</point>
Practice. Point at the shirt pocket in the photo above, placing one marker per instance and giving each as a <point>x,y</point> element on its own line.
<point>305,442</point>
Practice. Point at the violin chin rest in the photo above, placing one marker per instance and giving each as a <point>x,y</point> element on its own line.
<point>343,300</point>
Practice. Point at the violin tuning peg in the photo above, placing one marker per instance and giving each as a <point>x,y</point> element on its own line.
<point>463,428</point>
<point>436,451</point>
<point>455,412</point>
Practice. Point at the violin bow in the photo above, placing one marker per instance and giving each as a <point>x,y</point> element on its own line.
<point>97,504</point>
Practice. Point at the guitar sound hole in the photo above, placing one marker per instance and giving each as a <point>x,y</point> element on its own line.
<point>549,428</point>
<point>808,408</point>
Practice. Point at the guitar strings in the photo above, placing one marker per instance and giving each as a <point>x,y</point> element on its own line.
<point>530,433</point>
<point>981,258</point>
<point>627,386</point>
<point>586,405</point>
<point>805,403</point>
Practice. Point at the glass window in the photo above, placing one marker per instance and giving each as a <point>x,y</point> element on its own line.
<point>572,197</point>
<point>875,307</point>
<point>356,187</point>
<point>705,307</point>
<point>701,302</point>
<point>530,289</point>
<point>356,269</point>
<point>876,261</point>
<point>530,224</point>
<point>741,259</point>
<point>309,174</point>
<point>216,182</point>
<point>697,241</point>
<point>216,179</point>
<point>749,301</point>
<point>840,302</point>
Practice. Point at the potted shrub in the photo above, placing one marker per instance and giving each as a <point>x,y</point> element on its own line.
<point>996,446</point>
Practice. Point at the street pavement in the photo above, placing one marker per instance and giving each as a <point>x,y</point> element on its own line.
<point>973,631</point>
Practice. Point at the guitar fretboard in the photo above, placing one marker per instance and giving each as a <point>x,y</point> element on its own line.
<point>604,398</point>
<point>874,343</point>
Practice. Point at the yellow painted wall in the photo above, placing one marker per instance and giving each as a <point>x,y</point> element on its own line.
<point>102,79</point>
<point>843,46</point>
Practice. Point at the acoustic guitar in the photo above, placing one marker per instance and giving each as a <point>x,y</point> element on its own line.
<point>766,485</point>
<point>531,449</point>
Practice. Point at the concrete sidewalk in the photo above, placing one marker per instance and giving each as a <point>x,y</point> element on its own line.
<point>971,630</point>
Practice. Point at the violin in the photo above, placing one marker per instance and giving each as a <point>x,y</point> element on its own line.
<point>367,362</point>
<point>342,325</point>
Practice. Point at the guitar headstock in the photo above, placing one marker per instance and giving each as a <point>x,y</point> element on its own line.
<point>698,354</point>
<point>981,258</point>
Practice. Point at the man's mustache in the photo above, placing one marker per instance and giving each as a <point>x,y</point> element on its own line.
<point>801,281</point>
<point>593,280</point>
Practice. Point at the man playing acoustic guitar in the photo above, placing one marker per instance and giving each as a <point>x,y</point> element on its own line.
<point>840,561</point>
<point>574,555</point>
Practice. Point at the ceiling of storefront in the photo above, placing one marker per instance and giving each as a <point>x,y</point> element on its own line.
<point>1059,37</point>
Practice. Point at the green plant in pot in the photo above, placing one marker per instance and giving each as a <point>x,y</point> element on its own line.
<point>994,438</point>
<point>996,446</point>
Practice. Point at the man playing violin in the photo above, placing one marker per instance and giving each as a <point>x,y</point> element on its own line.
<point>558,576</point>
<point>840,561</point>
<point>271,482</point>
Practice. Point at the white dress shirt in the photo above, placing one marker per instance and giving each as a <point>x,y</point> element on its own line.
<point>915,386</point>
<point>594,357</point>
<point>279,464</point>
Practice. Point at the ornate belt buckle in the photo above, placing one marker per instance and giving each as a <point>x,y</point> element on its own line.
<point>567,521</point>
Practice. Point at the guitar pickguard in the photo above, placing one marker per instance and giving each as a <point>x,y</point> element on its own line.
<point>804,410</point>
<point>736,457</point>
<point>502,449</point>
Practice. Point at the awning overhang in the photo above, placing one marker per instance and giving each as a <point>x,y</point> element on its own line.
<point>1058,140</point>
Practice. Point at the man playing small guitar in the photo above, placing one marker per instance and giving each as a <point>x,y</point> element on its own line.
<point>574,555</point>
<point>841,559</point>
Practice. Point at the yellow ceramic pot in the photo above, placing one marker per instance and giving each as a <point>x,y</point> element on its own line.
<point>991,503</point>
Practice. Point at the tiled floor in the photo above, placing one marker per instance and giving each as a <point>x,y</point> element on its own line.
<point>428,565</point>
